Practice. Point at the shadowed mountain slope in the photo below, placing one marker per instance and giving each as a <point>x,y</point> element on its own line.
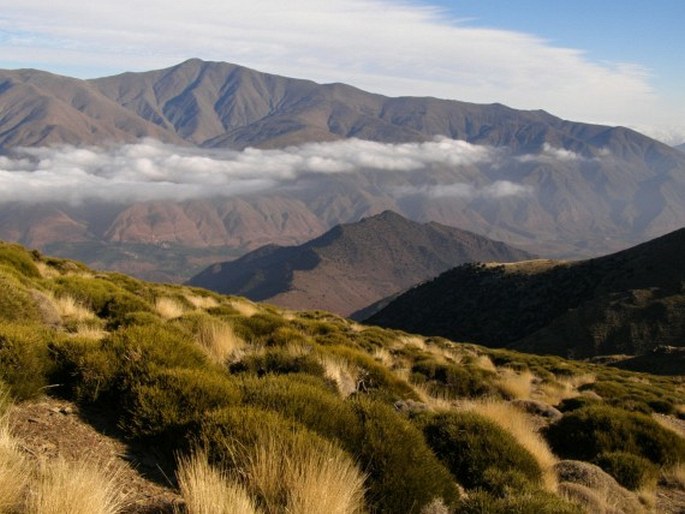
<point>629,303</point>
<point>352,266</point>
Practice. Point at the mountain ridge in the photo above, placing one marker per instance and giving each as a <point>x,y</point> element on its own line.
<point>351,265</point>
<point>630,302</point>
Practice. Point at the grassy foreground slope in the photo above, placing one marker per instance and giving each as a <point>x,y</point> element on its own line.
<point>252,408</point>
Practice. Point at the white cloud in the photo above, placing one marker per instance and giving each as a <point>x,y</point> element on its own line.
<point>152,170</point>
<point>497,190</point>
<point>382,45</point>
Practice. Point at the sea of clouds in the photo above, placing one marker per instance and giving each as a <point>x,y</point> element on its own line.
<point>150,170</point>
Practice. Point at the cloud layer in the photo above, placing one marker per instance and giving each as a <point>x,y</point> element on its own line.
<point>154,171</point>
<point>386,46</point>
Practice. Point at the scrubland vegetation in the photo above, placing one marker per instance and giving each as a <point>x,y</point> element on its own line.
<point>259,410</point>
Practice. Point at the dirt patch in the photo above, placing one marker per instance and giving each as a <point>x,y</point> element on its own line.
<point>49,428</point>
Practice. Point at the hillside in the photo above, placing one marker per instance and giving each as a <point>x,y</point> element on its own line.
<point>177,388</point>
<point>629,303</point>
<point>353,265</point>
<point>552,187</point>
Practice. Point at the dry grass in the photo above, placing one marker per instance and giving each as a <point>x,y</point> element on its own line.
<point>342,372</point>
<point>433,400</point>
<point>562,388</point>
<point>46,271</point>
<point>202,302</point>
<point>168,308</point>
<point>207,490</point>
<point>522,428</point>
<point>485,363</point>
<point>676,475</point>
<point>78,487</point>
<point>244,307</point>
<point>383,356</point>
<point>90,331</point>
<point>308,481</point>
<point>69,308</point>
<point>516,385</point>
<point>219,341</point>
<point>14,469</point>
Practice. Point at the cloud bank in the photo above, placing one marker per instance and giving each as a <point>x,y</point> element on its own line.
<point>154,171</point>
<point>387,46</point>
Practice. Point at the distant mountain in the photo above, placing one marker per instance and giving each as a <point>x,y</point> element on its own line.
<point>630,302</point>
<point>680,147</point>
<point>353,265</point>
<point>590,189</point>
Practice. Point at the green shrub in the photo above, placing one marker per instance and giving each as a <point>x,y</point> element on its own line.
<point>279,361</point>
<point>25,362</point>
<point>308,402</point>
<point>85,368</point>
<point>577,402</point>
<point>629,470</point>
<point>472,446</point>
<point>168,399</point>
<point>456,381</point>
<point>258,327</point>
<point>538,502</point>
<point>404,475</point>
<point>120,306</point>
<point>140,348</point>
<point>375,379</point>
<point>586,433</point>
<point>16,303</point>
<point>17,258</point>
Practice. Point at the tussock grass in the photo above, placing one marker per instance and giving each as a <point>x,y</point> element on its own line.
<point>436,400</point>
<point>310,481</point>
<point>46,271</point>
<point>208,490</point>
<point>383,356</point>
<point>519,425</point>
<point>676,475</point>
<point>342,372</point>
<point>168,308</point>
<point>15,472</point>
<point>71,309</point>
<point>90,331</point>
<point>84,486</point>
<point>219,341</point>
<point>485,363</point>
<point>202,302</point>
<point>516,385</point>
<point>244,307</point>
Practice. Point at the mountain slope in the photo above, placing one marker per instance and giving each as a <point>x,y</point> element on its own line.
<point>625,303</point>
<point>352,266</point>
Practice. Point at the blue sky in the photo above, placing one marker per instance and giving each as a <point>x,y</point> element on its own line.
<point>603,61</point>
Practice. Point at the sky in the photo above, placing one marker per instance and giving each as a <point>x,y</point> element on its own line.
<point>602,61</point>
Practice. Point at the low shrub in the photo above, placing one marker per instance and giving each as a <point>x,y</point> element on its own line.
<point>476,450</point>
<point>167,400</point>
<point>455,381</point>
<point>278,361</point>
<point>404,475</point>
<point>374,379</point>
<point>577,402</point>
<point>25,362</point>
<point>631,471</point>
<point>16,302</point>
<point>308,402</point>
<point>258,327</point>
<point>586,433</point>
<point>17,258</point>
<point>538,502</point>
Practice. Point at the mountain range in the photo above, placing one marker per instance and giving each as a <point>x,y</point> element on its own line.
<point>352,265</point>
<point>550,186</point>
<point>631,303</point>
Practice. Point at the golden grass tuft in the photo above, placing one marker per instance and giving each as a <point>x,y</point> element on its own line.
<point>485,363</point>
<point>516,385</point>
<point>676,475</point>
<point>435,401</point>
<point>342,372</point>
<point>89,331</point>
<point>219,341</point>
<point>70,309</point>
<point>168,308</point>
<point>519,424</point>
<point>202,302</point>
<point>383,356</point>
<point>308,481</point>
<point>85,486</point>
<point>244,307</point>
<point>15,472</point>
<point>46,271</point>
<point>207,490</point>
